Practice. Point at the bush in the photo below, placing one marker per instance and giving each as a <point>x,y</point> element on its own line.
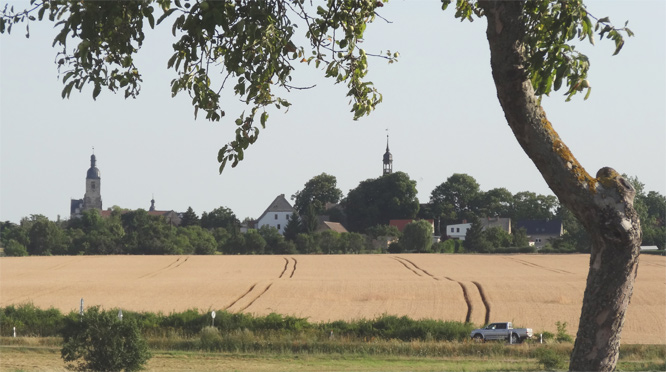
<point>562,335</point>
<point>30,321</point>
<point>210,339</point>
<point>551,359</point>
<point>99,341</point>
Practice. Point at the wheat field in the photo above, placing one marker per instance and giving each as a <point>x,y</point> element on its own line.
<point>530,290</point>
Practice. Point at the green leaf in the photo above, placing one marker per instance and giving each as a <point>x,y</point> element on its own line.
<point>96,90</point>
<point>264,117</point>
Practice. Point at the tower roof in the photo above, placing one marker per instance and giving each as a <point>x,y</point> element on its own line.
<point>93,172</point>
<point>387,155</point>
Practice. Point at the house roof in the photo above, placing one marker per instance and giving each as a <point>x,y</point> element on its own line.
<point>280,204</point>
<point>541,227</point>
<point>328,225</point>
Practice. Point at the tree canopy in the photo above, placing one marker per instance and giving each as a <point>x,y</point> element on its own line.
<point>377,201</point>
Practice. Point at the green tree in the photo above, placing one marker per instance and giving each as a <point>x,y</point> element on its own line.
<point>46,238</point>
<point>519,238</point>
<point>254,243</point>
<point>497,237</point>
<point>200,240</point>
<point>293,227</point>
<point>495,203</point>
<point>99,341</point>
<point>220,217</point>
<point>273,239</point>
<point>531,206</point>
<point>475,239</point>
<point>377,201</point>
<point>455,199</point>
<point>417,236</point>
<point>306,244</point>
<point>531,52</point>
<point>190,218</point>
<point>317,192</point>
<point>14,248</point>
<point>11,231</point>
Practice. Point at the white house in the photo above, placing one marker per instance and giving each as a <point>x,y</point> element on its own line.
<point>277,214</point>
<point>457,231</point>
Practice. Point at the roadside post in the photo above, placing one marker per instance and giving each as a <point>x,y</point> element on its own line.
<point>81,309</point>
<point>120,315</point>
<point>212,315</point>
<point>14,332</point>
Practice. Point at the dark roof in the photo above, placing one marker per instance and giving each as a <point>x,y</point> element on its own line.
<point>541,227</point>
<point>93,172</point>
<point>280,204</point>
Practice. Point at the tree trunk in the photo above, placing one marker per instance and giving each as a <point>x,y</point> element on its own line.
<point>603,204</point>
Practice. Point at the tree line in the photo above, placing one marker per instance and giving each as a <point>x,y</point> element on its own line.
<point>365,212</point>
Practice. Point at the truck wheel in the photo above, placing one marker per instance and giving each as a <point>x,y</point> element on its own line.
<point>515,339</point>
<point>478,338</point>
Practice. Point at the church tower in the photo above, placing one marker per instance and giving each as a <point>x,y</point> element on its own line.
<point>388,159</point>
<point>93,197</point>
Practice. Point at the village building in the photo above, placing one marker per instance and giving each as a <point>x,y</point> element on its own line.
<point>277,214</point>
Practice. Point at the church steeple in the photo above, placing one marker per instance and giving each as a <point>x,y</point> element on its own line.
<point>93,196</point>
<point>388,159</point>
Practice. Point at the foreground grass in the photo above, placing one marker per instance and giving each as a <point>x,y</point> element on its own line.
<point>43,354</point>
<point>48,359</point>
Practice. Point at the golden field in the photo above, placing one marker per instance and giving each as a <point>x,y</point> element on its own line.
<point>530,290</point>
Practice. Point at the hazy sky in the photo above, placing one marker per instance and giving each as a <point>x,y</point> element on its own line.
<point>440,108</point>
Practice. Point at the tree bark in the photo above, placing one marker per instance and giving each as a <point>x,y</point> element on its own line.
<point>603,204</point>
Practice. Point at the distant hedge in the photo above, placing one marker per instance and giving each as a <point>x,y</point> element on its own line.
<point>32,321</point>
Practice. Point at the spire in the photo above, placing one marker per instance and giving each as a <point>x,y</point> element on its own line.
<point>152,204</point>
<point>388,159</point>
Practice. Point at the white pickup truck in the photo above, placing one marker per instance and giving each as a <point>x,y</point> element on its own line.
<point>501,331</point>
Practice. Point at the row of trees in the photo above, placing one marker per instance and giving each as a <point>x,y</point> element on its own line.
<point>365,211</point>
<point>376,201</point>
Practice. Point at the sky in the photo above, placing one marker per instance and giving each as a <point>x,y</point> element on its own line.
<point>440,109</point>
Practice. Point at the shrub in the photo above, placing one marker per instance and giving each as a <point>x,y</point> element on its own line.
<point>30,321</point>
<point>210,339</point>
<point>551,359</point>
<point>99,341</point>
<point>562,335</point>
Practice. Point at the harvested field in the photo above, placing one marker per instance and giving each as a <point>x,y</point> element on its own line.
<point>530,290</point>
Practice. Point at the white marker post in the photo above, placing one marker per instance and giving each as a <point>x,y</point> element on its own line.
<point>120,315</point>
<point>212,315</point>
<point>81,309</point>
<point>14,332</point>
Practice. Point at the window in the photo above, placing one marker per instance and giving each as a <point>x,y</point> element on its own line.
<point>276,216</point>
<point>457,229</point>
<point>278,226</point>
<point>452,229</point>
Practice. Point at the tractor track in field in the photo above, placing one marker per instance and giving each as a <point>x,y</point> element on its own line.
<point>256,298</point>
<point>485,301</point>
<point>172,265</point>
<point>293,271</point>
<point>241,297</point>
<point>418,268</point>
<point>286,267</point>
<point>466,297</point>
<point>531,264</point>
<point>406,267</point>
<point>470,308</point>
